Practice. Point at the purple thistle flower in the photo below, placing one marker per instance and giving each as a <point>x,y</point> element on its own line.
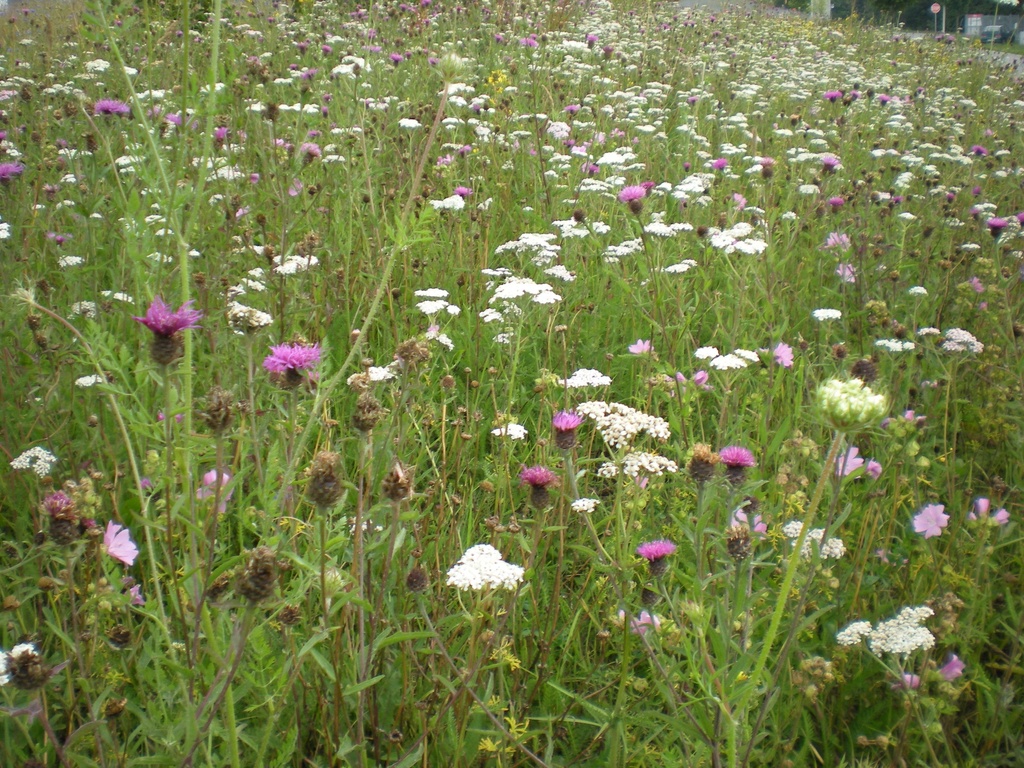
<point>978,151</point>
<point>111,107</point>
<point>655,553</point>
<point>58,504</point>
<point>288,358</point>
<point>635,192</point>
<point>833,96</point>
<point>463,191</point>
<point>538,478</point>
<point>565,424</point>
<point>163,322</point>
<point>836,202</point>
<point>996,225</point>
<point>655,550</point>
<point>736,460</point>
<point>720,164</point>
<point>10,171</point>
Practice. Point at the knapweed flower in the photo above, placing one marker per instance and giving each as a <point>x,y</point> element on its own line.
<point>167,327</point>
<point>952,669</point>
<point>482,567</point>
<point>656,554</point>
<point>23,668</point>
<point>633,197</point>
<point>10,171</point>
<point>64,523</point>
<point>640,347</point>
<point>833,96</point>
<point>539,478</point>
<point>996,225</point>
<point>290,360</point>
<point>737,461</point>
<point>850,405</point>
<point>931,520</point>
<point>565,424</point>
<point>111,107</point>
<point>118,544</point>
<point>720,164</point>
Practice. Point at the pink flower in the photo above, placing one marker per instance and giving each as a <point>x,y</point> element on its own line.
<point>759,526</point>
<point>981,511</point>
<point>930,520</point>
<point>537,476</point>
<point>720,164</point>
<point>837,240</point>
<point>629,194</point>
<point>783,354</point>
<point>847,273</point>
<point>655,550</point>
<point>163,322</point>
<point>291,357</point>
<point>952,669</point>
<point>908,682</point>
<point>136,593</point>
<point>740,200</point>
<point>640,347</point>
<point>849,462</point>
<point>208,489</point>
<point>873,469</point>
<point>641,623</point>
<point>736,456</point>
<point>118,544</point>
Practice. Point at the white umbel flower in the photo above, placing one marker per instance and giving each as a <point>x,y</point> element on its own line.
<point>482,567</point>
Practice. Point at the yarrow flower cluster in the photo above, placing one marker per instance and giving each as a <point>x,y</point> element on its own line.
<point>831,548</point>
<point>901,635</point>
<point>37,458</point>
<point>959,340</point>
<point>643,463</point>
<point>482,567</point>
<point>619,424</point>
<point>585,377</point>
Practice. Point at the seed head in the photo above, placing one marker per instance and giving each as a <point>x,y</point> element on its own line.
<point>256,582</point>
<point>702,463</point>
<point>397,484</point>
<point>324,487</point>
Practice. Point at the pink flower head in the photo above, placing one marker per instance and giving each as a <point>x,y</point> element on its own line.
<point>837,240</point>
<point>641,623</point>
<point>291,357</point>
<point>720,164</point>
<point>783,354</point>
<point>566,421</point>
<point>635,192</point>
<point>208,489</point>
<point>655,550</point>
<point>873,469</point>
<point>981,511</point>
<point>952,669</point>
<point>930,520</point>
<point>118,544</point>
<point>640,347</point>
<point>163,322</point>
<point>736,456</point>
<point>10,171</point>
<point>908,682</point>
<point>833,96</point>
<point>58,504</point>
<point>849,462</point>
<point>700,378</point>
<point>537,476</point>
<point>111,107</point>
<point>740,200</point>
<point>996,225</point>
<point>136,593</point>
<point>836,202</point>
<point>758,525</point>
<point>463,191</point>
<point>847,273</point>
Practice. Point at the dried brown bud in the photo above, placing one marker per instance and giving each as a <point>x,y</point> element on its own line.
<point>417,580</point>
<point>397,484</point>
<point>218,410</point>
<point>256,582</point>
<point>324,487</point>
<point>702,463</point>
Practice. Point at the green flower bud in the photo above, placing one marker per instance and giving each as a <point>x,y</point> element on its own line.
<point>848,406</point>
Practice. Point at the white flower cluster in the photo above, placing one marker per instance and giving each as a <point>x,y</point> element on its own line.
<point>542,247</point>
<point>435,300</point>
<point>38,459</point>
<point>584,506</point>
<point>294,264</point>
<point>619,424</point>
<point>644,463</point>
<point>85,309</point>
<point>895,345</point>
<point>586,377</point>
<point>959,340</point>
<point>482,567</point>
<point>850,404</point>
<point>831,548</point>
<point>85,382</point>
<point>450,203</point>
<point>737,238</point>
<point>511,430</point>
<point>901,635</point>
<point>246,319</point>
<point>732,361</point>
<point>821,315</point>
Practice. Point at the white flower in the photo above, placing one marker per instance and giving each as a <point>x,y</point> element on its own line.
<point>453,203</point>
<point>706,353</point>
<point>482,567</point>
<point>619,424</point>
<point>903,634</point>
<point>83,309</point>
<point>918,290</point>
<point>38,459</point>
<point>895,345</point>
<point>643,463</point>
<point>928,331</point>
<point>822,315</point>
<point>246,319</point>
<point>561,273</point>
<point>681,267</point>
<point>728,362</point>
<point>586,377</point>
<point>409,124</point>
<point>584,506</point>
<point>432,293</point>
<point>853,633</point>
<point>511,430</point>
<point>432,307</point>
<point>959,340</point>
<point>89,381</point>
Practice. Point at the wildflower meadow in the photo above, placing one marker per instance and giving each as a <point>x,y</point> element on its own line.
<point>567,383</point>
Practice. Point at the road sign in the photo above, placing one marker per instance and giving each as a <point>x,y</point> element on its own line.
<point>936,8</point>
